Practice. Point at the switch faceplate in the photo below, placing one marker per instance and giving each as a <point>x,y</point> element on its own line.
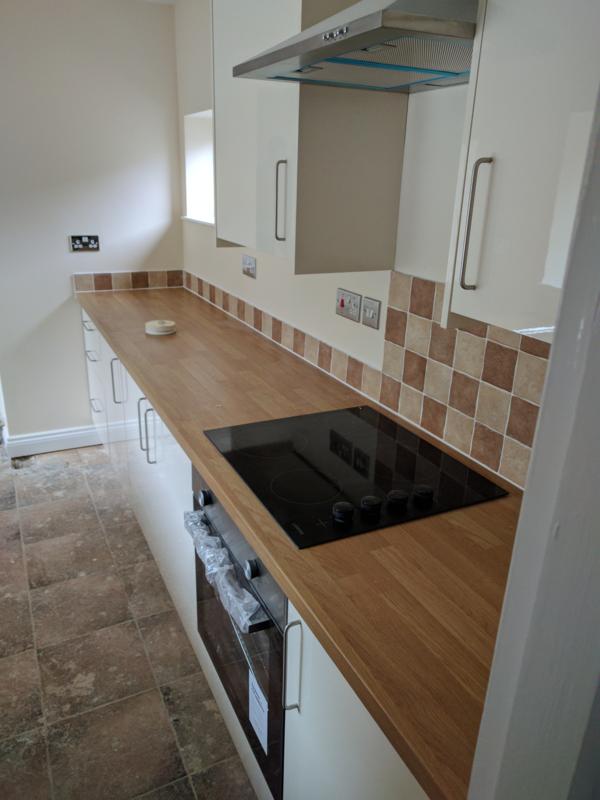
<point>249,266</point>
<point>371,312</point>
<point>84,243</point>
<point>347,304</point>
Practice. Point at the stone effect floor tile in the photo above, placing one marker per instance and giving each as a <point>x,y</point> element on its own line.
<point>12,568</point>
<point>78,606</point>
<point>168,647</point>
<point>8,497</point>
<point>20,702</point>
<point>38,485</point>
<point>16,631</point>
<point>127,544</point>
<point>180,790</point>
<point>120,751</point>
<point>146,590</point>
<point>224,781</point>
<point>72,556</point>
<point>58,518</point>
<point>24,768</point>
<point>201,732</point>
<point>107,665</point>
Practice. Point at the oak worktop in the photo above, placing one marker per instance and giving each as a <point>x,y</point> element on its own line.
<point>409,614</point>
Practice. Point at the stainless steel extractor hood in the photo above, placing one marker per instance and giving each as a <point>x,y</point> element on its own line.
<point>402,46</point>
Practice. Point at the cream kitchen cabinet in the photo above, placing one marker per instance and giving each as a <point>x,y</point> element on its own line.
<point>96,386</point>
<point>535,76</point>
<point>333,747</point>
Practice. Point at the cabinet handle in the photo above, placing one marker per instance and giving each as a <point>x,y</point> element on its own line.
<point>139,402</point>
<point>474,176</point>
<point>291,706</point>
<point>92,356</point>
<point>88,325</point>
<point>277,165</point>
<point>148,459</point>
<point>112,380</point>
<point>96,405</point>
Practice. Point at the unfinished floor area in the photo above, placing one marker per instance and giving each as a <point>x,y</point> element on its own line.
<point>101,694</point>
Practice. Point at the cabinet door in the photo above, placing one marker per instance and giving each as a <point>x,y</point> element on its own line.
<point>96,387</point>
<point>332,734</point>
<point>115,394</point>
<point>256,128</point>
<point>535,90</point>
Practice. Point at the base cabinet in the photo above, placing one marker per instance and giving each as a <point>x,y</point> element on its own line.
<point>334,750</point>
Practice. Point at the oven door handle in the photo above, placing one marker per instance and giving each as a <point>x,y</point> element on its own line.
<point>285,705</point>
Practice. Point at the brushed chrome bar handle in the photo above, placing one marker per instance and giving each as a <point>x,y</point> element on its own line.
<point>96,405</point>
<point>465,253</point>
<point>278,164</point>
<point>139,402</point>
<point>88,325</point>
<point>148,459</point>
<point>89,354</point>
<point>112,380</point>
<point>285,705</point>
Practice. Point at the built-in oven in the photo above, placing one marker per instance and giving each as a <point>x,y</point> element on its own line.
<point>250,664</point>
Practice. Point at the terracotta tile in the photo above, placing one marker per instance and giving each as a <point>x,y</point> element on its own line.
<point>535,347</point>
<point>354,373</point>
<point>72,608</point>
<point>414,370</point>
<point>504,336</point>
<point>443,342</point>
<point>463,393</point>
<point>201,733</point>
<point>325,354</point>
<point>168,647</point>
<point>395,326</point>
<point>267,324</point>
<point>371,382</point>
<point>499,365</point>
<point>139,280</point>
<point>99,668</point>
<point>187,279</point>
<point>459,430</point>
<point>287,336</point>
<point>522,421</point>
<point>393,360</point>
<point>102,281</point>
<point>422,296</point>
<point>390,392</point>
<point>257,321</point>
<point>487,446</point>
<point>225,301</point>
<point>276,330</point>
<point>16,631</point>
<point>83,282</point>
<point>146,590</point>
<point>311,349</point>
<point>468,325</point>
<point>433,416</point>
<point>492,407</point>
<point>411,403</point>
<point>515,462</point>
<point>224,781</point>
<point>438,302</point>
<point>339,364</point>
<point>299,342</point>
<point>24,767</point>
<point>174,277</point>
<point>400,286</point>
<point>57,518</point>
<point>418,334</point>
<point>469,354</point>
<point>119,751</point>
<point>530,376</point>
<point>212,294</point>
<point>71,556</point>
<point>438,378</point>
<point>241,307</point>
<point>121,281</point>
<point>20,700</point>
<point>127,544</point>
<point>157,279</point>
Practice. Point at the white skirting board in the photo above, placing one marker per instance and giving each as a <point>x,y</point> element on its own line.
<point>30,444</point>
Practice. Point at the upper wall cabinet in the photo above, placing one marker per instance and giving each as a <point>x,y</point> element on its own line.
<point>530,108</point>
<point>311,173</point>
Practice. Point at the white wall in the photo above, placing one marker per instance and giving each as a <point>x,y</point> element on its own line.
<point>88,144</point>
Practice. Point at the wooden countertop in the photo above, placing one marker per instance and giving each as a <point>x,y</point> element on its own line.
<point>409,614</point>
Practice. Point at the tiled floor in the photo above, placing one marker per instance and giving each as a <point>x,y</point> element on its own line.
<point>101,695</point>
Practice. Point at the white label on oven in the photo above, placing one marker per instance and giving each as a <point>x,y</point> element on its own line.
<point>258,710</point>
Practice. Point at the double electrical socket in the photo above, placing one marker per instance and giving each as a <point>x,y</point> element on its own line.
<point>348,304</point>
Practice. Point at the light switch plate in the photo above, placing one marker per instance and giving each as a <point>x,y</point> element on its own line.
<point>249,266</point>
<point>371,312</point>
<point>84,243</point>
<point>347,304</point>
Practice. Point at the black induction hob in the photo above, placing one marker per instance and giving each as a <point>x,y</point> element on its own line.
<point>339,473</point>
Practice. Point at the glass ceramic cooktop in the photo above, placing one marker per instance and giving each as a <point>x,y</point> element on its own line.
<point>339,473</point>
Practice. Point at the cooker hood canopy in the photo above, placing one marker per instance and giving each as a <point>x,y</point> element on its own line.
<point>403,46</point>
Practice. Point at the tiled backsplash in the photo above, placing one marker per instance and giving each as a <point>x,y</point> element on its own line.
<point>475,386</point>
